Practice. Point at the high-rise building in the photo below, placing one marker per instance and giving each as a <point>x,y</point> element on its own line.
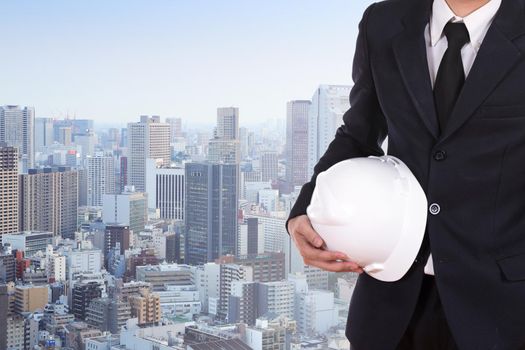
<point>148,138</point>
<point>251,237</point>
<point>267,267</point>
<point>165,188</point>
<point>44,136</point>
<point>114,234</point>
<point>17,129</point>
<point>210,211</point>
<point>87,141</point>
<point>297,142</point>
<point>243,302</point>
<point>329,103</point>
<point>49,201</point>
<point>29,298</point>
<point>9,192</point>
<point>100,179</point>
<point>269,166</point>
<point>228,123</point>
<point>229,273</point>
<point>128,208</point>
<point>123,175</point>
<point>4,310</point>
<point>83,294</point>
<point>146,307</point>
<point>108,314</point>
<point>278,298</point>
<point>175,127</point>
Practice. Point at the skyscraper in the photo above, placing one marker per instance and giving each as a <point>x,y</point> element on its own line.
<point>17,129</point>
<point>175,127</point>
<point>228,123</point>
<point>44,135</point>
<point>148,138</point>
<point>210,211</point>
<point>49,201</point>
<point>269,166</point>
<point>329,103</point>
<point>297,142</point>
<point>128,208</point>
<point>100,179</point>
<point>9,192</point>
<point>165,188</point>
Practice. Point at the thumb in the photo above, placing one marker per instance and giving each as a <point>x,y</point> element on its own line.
<point>311,235</point>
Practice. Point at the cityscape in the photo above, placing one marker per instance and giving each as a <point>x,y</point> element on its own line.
<point>156,237</point>
<point>161,230</point>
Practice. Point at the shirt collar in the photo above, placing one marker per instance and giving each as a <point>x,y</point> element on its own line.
<point>477,23</point>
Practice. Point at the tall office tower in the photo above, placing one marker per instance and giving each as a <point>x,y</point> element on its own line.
<point>65,135</point>
<point>123,176</point>
<point>297,142</point>
<point>43,133</point>
<point>224,151</point>
<point>228,123</point>
<point>269,166</point>
<point>148,138</point>
<point>175,128</point>
<point>100,179</point>
<point>243,140</point>
<point>210,211</point>
<point>165,188</point>
<point>17,129</point>
<point>9,192</point>
<point>49,201</point>
<point>329,103</point>
<point>87,142</point>
<point>128,208</point>
<point>225,146</point>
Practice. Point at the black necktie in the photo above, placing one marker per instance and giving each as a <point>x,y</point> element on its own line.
<point>451,76</point>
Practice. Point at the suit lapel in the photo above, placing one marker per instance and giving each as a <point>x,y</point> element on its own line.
<point>410,53</point>
<point>496,57</point>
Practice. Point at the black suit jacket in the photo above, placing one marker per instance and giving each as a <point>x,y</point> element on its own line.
<point>474,169</point>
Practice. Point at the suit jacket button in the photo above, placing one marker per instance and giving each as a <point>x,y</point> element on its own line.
<point>440,156</point>
<point>434,209</point>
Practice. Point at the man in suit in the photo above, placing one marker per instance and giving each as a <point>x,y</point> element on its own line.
<point>445,80</point>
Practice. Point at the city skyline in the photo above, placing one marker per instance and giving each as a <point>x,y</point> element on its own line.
<point>112,62</point>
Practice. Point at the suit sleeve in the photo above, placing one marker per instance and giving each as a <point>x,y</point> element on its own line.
<point>364,127</point>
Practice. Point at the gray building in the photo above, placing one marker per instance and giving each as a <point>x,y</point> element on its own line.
<point>210,211</point>
<point>108,314</point>
<point>17,129</point>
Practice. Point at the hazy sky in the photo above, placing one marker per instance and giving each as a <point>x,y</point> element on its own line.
<point>113,60</point>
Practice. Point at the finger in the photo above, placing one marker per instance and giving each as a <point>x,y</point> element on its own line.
<point>305,229</point>
<point>336,266</point>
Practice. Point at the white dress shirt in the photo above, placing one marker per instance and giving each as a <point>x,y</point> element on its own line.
<point>477,23</point>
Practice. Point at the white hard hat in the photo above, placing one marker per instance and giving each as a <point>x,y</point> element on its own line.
<point>372,209</point>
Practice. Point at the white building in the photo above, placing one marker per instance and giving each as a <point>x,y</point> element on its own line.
<point>100,178</point>
<point>180,301</point>
<point>315,312</point>
<point>165,188</point>
<point>329,103</point>
<point>148,138</point>
<point>82,261</point>
<point>274,230</point>
<point>128,208</point>
<point>29,242</point>
<point>280,297</point>
<point>269,199</point>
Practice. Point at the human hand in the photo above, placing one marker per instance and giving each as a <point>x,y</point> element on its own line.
<point>313,249</point>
